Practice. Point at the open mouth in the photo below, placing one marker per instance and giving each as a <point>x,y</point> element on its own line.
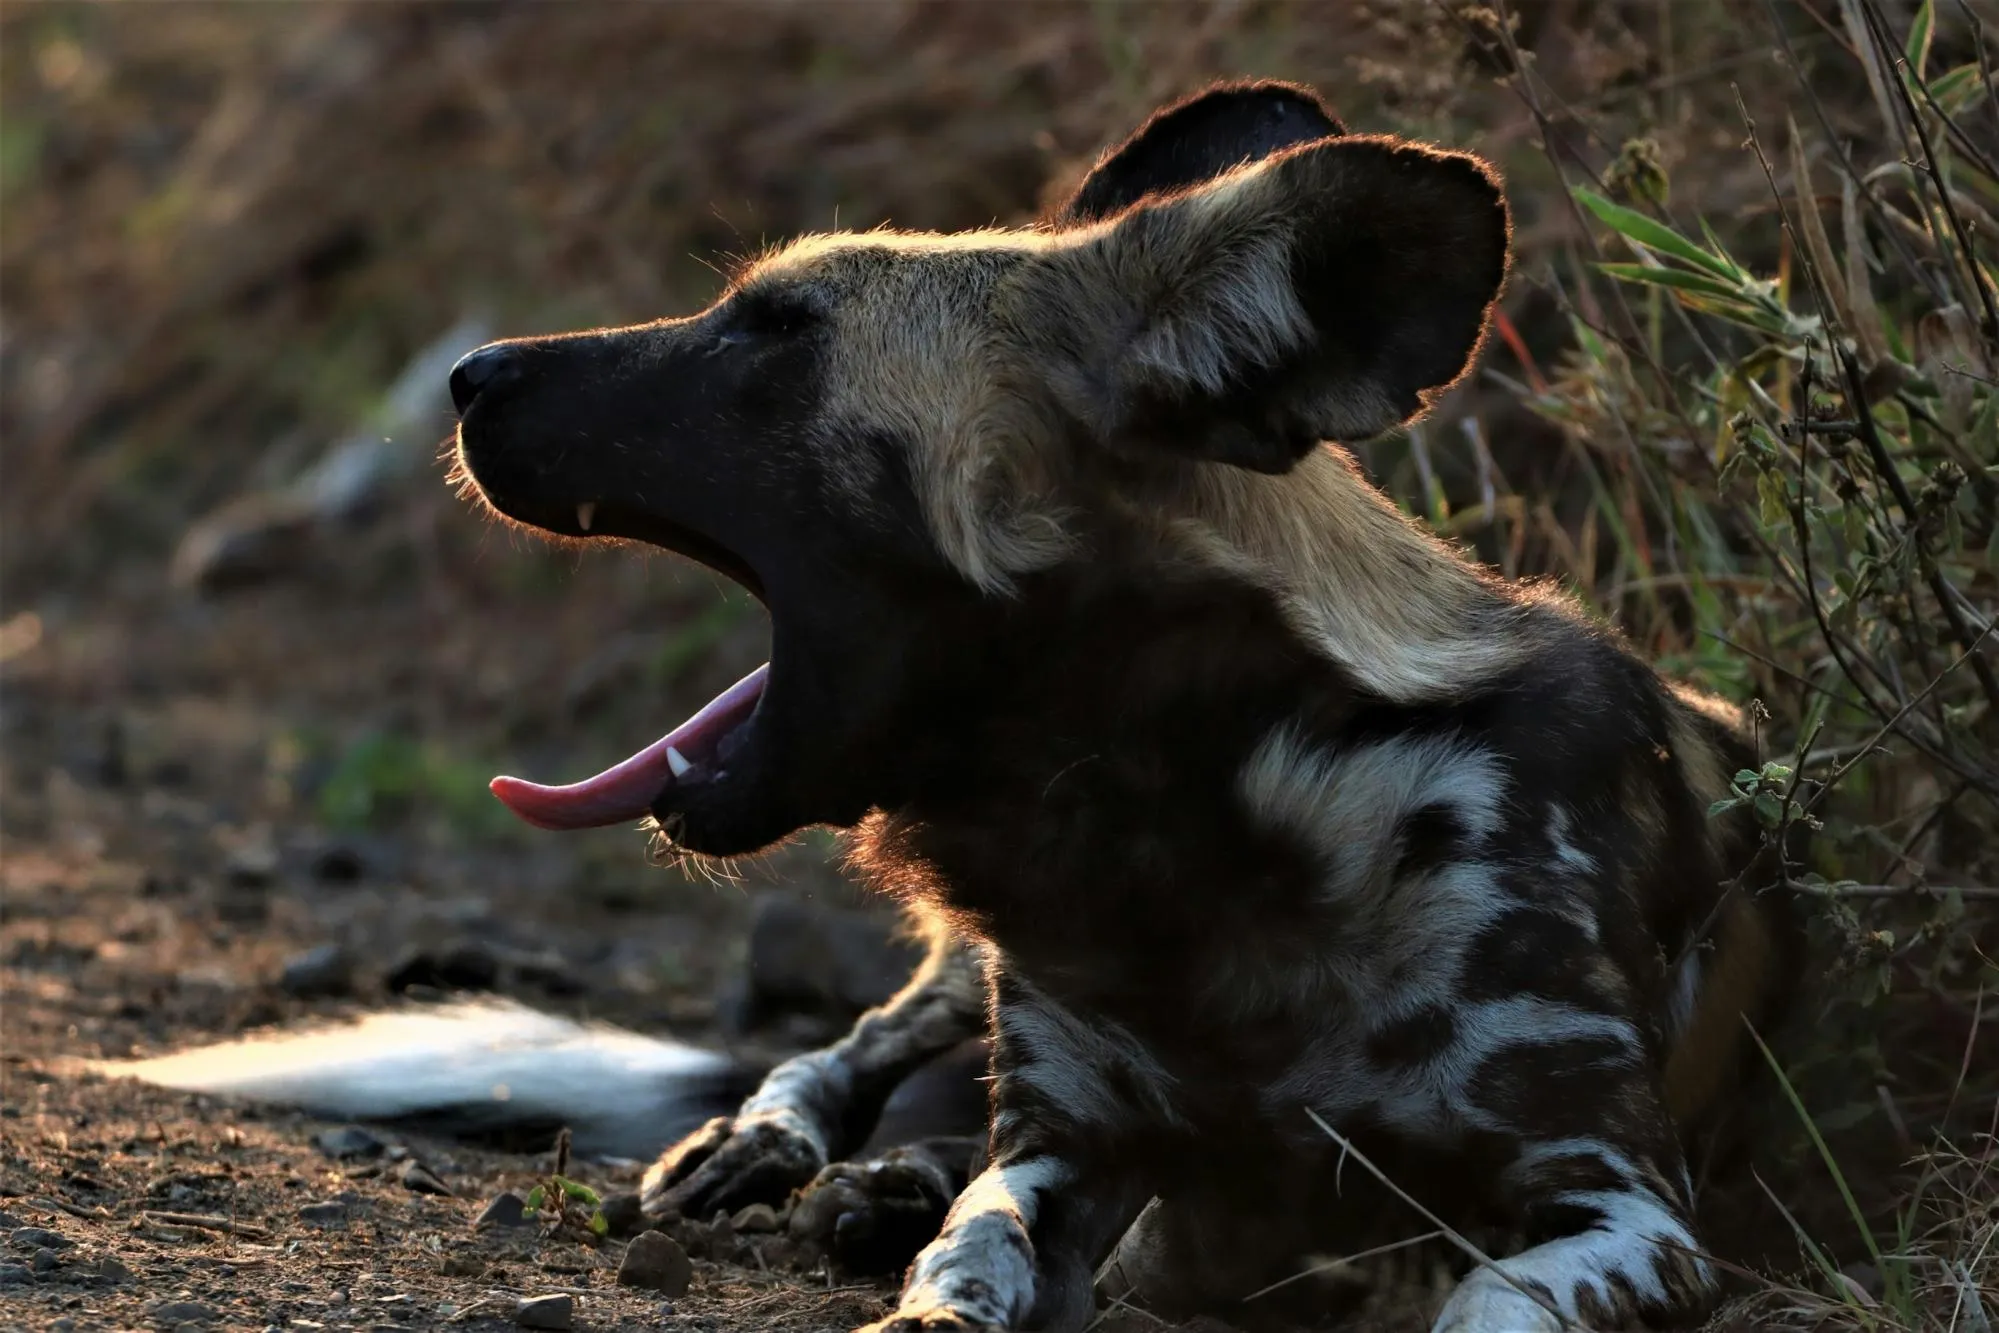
<point>697,752</point>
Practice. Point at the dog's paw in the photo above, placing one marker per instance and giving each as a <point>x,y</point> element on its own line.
<point>1485,1302</point>
<point>930,1321</point>
<point>872,1217</point>
<point>730,1163</point>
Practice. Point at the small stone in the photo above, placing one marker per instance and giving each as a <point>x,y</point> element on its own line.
<point>324,971</point>
<point>656,1262</point>
<point>176,1313</point>
<point>339,863</point>
<point>253,865</point>
<point>331,1213</point>
<point>347,1141</point>
<point>622,1214</point>
<point>420,1179</point>
<point>112,1269</point>
<point>544,1311</point>
<point>757,1218</point>
<point>8,1221</point>
<point>44,1261</point>
<point>38,1238</point>
<point>461,1265</point>
<point>461,967</point>
<point>507,1209</point>
<point>14,1274</point>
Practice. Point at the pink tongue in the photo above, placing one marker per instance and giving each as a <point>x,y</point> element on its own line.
<point>625,792</point>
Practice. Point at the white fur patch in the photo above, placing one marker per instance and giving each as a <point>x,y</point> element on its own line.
<point>1636,1224</point>
<point>1066,1059</point>
<point>981,1266</point>
<point>1348,804</point>
<point>443,1057</point>
<point>793,1093</point>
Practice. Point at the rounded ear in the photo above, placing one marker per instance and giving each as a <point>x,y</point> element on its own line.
<point>1329,292</point>
<point>1197,139</point>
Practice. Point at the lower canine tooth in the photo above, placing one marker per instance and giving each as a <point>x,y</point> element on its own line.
<point>677,761</point>
<point>584,513</point>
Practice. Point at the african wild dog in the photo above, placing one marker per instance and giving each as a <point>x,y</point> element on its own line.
<point>1244,804</point>
<point>1262,806</point>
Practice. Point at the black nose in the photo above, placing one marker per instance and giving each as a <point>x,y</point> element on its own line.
<point>481,369</point>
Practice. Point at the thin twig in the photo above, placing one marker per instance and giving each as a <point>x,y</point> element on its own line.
<point>1970,892</point>
<point>1347,1149</point>
<point>208,1222</point>
<point>1330,1264</point>
<point>1832,138</point>
<point>1970,255</point>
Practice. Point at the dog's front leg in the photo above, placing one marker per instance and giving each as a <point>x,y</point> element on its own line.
<point>1019,1246</point>
<point>815,1107</point>
<point>1600,1181</point>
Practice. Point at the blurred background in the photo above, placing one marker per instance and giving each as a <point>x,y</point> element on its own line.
<point>257,662</point>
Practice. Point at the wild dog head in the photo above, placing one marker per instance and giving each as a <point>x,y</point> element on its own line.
<point>895,440</point>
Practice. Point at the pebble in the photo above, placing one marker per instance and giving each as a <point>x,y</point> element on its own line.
<point>326,971</point>
<point>508,1209</point>
<point>331,1213</point>
<point>14,1274</point>
<point>253,865</point>
<point>175,1313</point>
<point>622,1214</point>
<point>348,1141</point>
<point>757,1217</point>
<point>420,1179</point>
<point>467,966</point>
<point>38,1238</point>
<point>44,1261</point>
<point>339,863</point>
<point>544,1311</point>
<point>112,1269</point>
<point>8,1221</point>
<point>655,1262</point>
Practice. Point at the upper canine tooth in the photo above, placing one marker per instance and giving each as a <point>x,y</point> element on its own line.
<point>584,513</point>
<point>677,761</point>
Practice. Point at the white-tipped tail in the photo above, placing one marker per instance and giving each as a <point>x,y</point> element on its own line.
<point>470,1066</point>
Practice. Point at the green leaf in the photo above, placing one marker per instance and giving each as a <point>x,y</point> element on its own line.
<point>1652,235</point>
<point>536,1197</point>
<point>1920,33</point>
<point>1773,505</point>
<point>1959,90</point>
<point>599,1224</point>
<point>1721,255</point>
<point>583,1194</point>
<point>1724,805</point>
<point>1853,524</point>
<point>1769,808</point>
<point>1679,278</point>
